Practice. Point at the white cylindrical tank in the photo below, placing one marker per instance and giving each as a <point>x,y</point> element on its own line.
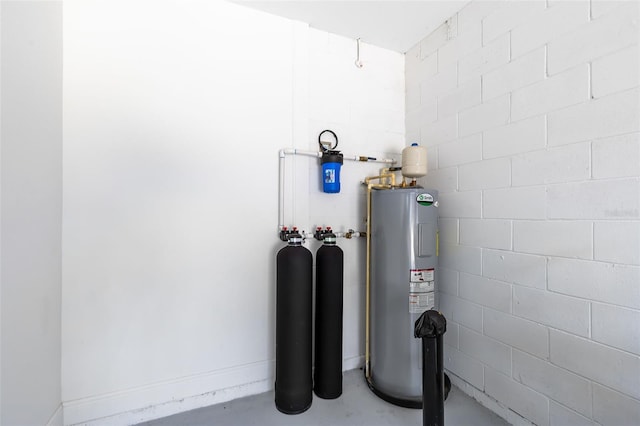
<point>414,161</point>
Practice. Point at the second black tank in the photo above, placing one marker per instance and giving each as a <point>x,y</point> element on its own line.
<point>328,319</point>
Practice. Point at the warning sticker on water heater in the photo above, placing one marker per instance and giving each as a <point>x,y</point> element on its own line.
<point>421,290</point>
<point>421,275</point>
<point>422,287</point>
<point>420,302</point>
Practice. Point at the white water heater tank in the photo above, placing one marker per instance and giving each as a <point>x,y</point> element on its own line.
<point>414,161</point>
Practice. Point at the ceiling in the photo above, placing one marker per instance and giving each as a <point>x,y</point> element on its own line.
<point>396,25</point>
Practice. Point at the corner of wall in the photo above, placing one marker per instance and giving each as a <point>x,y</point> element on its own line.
<point>57,419</point>
<point>30,211</point>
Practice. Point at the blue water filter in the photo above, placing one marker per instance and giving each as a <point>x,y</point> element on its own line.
<point>331,163</point>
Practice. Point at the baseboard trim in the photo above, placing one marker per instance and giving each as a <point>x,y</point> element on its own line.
<point>170,397</point>
<point>176,396</point>
<point>491,404</point>
<point>352,363</point>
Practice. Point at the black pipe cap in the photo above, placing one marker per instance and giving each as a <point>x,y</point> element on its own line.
<point>430,324</point>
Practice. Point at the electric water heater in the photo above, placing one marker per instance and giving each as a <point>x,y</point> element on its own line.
<point>403,278</point>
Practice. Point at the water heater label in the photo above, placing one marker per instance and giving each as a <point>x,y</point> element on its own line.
<point>422,287</point>
<point>425,199</point>
<point>418,303</point>
<point>421,275</point>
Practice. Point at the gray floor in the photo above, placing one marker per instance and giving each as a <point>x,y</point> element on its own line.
<point>356,406</point>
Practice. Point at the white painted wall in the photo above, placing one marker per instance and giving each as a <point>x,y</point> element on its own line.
<point>174,114</point>
<point>531,112</point>
<point>31,207</point>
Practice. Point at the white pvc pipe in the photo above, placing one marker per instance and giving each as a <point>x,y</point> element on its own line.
<point>281,192</point>
<point>365,159</point>
<point>295,151</point>
<point>355,234</point>
<point>318,154</point>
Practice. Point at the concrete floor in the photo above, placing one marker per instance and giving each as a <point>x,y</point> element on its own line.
<point>357,406</point>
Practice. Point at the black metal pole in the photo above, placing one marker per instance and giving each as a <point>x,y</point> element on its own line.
<point>430,327</point>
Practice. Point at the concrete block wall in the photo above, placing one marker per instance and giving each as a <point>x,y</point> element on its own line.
<point>531,115</point>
